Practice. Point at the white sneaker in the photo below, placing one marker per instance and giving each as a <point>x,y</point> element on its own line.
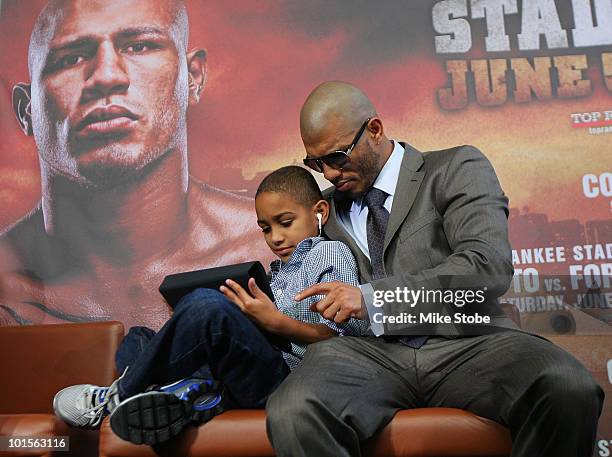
<point>85,405</point>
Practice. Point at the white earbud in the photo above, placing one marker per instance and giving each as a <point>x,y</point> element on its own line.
<point>320,219</point>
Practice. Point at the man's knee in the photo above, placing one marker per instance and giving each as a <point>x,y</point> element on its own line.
<point>560,386</point>
<point>571,387</point>
<point>556,375</point>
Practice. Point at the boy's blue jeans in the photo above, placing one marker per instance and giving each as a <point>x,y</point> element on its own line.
<point>207,334</point>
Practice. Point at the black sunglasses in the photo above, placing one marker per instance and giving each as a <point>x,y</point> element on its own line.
<point>336,159</point>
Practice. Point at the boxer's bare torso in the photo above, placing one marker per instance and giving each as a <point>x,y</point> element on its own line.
<point>43,282</point>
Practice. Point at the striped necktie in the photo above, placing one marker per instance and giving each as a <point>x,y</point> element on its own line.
<point>376,228</point>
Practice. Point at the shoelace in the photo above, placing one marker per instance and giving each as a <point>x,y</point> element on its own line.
<point>100,398</point>
<point>98,402</point>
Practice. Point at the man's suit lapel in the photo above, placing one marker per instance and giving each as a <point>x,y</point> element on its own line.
<point>408,184</point>
<point>335,231</point>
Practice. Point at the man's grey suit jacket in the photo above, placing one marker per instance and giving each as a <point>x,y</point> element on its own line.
<point>448,223</point>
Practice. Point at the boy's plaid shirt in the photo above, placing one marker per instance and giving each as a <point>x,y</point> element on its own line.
<point>314,260</point>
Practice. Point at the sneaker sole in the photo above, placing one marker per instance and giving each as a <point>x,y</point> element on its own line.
<point>150,418</point>
<point>154,417</point>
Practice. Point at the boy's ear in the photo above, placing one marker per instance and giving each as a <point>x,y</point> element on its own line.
<point>322,207</point>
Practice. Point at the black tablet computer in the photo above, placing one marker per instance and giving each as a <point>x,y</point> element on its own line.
<point>175,286</point>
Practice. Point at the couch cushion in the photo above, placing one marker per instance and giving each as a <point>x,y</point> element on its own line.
<point>234,433</point>
<point>39,360</point>
<point>437,432</point>
<point>424,432</point>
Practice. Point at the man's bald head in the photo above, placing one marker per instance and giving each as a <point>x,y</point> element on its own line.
<point>54,12</point>
<point>333,102</point>
<point>342,132</point>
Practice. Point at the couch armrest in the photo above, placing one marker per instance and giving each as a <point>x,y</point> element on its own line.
<point>39,360</point>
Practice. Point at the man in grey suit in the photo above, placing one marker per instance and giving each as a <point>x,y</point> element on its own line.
<point>413,219</point>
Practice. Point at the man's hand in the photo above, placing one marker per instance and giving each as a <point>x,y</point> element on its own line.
<point>256,305</point>
<point>341,302</point>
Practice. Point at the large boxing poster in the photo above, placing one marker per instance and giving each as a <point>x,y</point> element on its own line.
<point>89,236</point>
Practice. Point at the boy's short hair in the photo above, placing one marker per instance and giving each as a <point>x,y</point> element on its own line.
<point>295,181</point>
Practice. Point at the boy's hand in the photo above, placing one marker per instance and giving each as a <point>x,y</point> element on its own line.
<point>256,305</point>
<point>341,302</point>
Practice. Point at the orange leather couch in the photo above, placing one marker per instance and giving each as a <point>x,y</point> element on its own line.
<point>39,360</point>
<point>429,432</point>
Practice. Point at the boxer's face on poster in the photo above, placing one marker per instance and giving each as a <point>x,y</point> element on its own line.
<point>109,88</point>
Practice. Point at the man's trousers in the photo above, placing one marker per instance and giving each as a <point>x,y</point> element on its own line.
<point>348,388</point>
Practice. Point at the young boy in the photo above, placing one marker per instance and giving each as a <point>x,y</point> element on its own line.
<point>219,329</point>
